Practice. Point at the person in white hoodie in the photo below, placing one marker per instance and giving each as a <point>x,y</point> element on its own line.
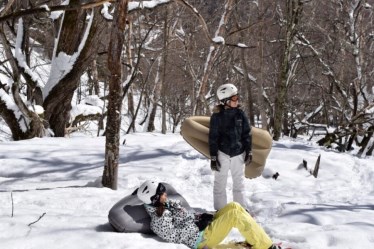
<point>173,223</point>
<point>230,145</point>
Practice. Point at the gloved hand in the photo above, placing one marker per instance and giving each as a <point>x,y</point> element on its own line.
<point>203,220</point>
<point>248,157</point>
<point>214,163</point>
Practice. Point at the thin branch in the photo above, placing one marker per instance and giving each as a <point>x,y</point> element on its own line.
<point>200,17</point>
<point>239,46</point>
<point>136,67</point>
<point>7,7</point>
<point>37,219</point>
<point>11,196</point>
<point>49,9</point>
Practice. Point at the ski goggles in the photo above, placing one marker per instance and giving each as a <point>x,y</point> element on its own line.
<point>234,98</point>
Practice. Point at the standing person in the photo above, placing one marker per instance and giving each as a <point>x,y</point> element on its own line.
<point>230,145</point>
<point>173,223</point>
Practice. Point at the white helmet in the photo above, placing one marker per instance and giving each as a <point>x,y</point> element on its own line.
<point>226,91</point>
<point>148,190</point>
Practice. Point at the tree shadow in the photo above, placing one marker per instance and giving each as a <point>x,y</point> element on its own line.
<point>107,227</point>
<point>293,147</point>
<point>65,169</point>
<point>311,215</point>
<point>139,155</point>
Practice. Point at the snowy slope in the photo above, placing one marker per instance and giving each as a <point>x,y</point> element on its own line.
<point>61,178</point>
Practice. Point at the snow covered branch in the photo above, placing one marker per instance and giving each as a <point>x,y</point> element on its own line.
<point>63,63</point>
<point>137,5</point>
<point>21,58</point>
<point>49,9</point>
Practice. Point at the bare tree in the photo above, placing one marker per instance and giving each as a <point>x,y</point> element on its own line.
<point>214,51</point>
<point>110,174</point>
<point>293,13</point>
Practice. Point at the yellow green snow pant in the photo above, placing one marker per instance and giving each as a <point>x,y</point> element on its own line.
<point>234,215</point>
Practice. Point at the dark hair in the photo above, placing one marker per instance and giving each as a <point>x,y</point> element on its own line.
<point>160,206</point>
<point>160,210</point>
<point>159,191</point>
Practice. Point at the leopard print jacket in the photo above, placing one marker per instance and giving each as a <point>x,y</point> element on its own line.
<point>176,225</point>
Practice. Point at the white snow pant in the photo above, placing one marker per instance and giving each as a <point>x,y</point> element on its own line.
<point>236,166</point>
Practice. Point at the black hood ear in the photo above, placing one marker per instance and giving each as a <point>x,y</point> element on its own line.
<point>161,188</point>
<point>156,198</point>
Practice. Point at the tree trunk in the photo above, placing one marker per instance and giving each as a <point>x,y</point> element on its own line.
<point>164,67</point>
<point>155,97</point>
<point>294,8</point>
<point>151,121</point>
<point>110,174</point>
<point>94,88</point>
<point>131,111</point>
<point>281,91</point>
<point>248,87</point>
<point>57,103</point>
<point>132,125</point>
<point>260,97</point>
<point>11,120</point>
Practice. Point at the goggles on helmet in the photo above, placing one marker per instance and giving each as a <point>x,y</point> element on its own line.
<point>234,98</point>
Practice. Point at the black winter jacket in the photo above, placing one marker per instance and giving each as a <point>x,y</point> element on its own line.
<point>229,132</point>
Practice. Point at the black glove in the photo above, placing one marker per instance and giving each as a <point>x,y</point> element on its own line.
<point>203,220</point>
<point>248,157</point>
<point>214,163</point>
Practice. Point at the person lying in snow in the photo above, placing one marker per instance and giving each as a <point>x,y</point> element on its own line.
<point>173,223</point>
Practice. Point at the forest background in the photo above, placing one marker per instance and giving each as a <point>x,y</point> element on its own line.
<point>299,65</point>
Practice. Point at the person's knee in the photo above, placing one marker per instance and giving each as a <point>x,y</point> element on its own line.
<point>234,205</point>
<point>235,217</point>
<point>237,205</point>
<point>231,214</point>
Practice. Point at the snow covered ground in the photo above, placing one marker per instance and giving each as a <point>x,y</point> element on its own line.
<point>60,178</point>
